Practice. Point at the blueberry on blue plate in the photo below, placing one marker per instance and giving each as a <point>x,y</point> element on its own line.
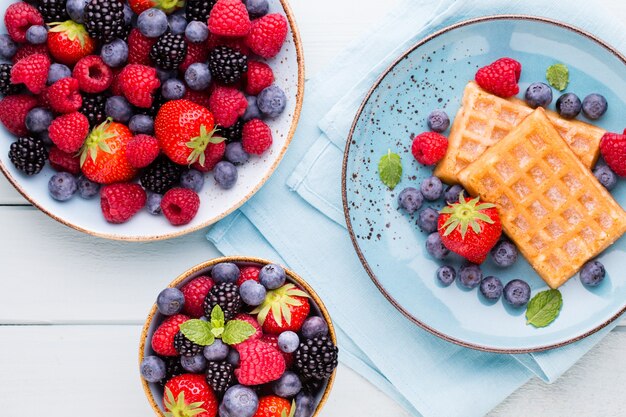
<point>431,188</point>
<point>62,186</point>
<point>192,179</point>
<point>239,401</point>
<point>594,106</point>
<point>410,199</point>
<point>470,276</point>
<point>235,153</point>
<point>491,287</point>
<point>88,189</point>
<point>504,254</point>
<point>288,341</point>
<point>170,301</point>
<point>313,327</point>
<point>568,105</point>
<point>452,193</point>
<point>225,174</point>
<point>517,293</point>
<point>538,95</point>
<point>225,272</point>
<point>605,176</point>
<point>252,293</point>
<point>217,351</point>
<point>446,275</point>
<point>438,121</point>
<point>271,101</point>
<point>195,364</point>
<point>288,385</point>
<point>272,276</point>
<point>435,247</point>
<point>152,369</point>
<point>427,220</point>
<point>592,273</point>
<point>153,203</point>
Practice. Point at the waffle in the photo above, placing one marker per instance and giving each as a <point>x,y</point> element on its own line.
<point>550,204</point>
<point>484,119</point>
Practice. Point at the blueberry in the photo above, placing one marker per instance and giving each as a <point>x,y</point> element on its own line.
<point>438,121</point>
<point>446,275</point>
<point>257,8</point>
<point>470,276</point>
<point>225,174</point>
<point>8,48</point>
<point>594,106</point>
<point>152,23</point>
<point>288,385</point>
<point>592,273</point>
<point>173,89</point>
<point>118,109</point>
<point>235,153</point>
<point>76,9</point>
<point>152,369</point>
<point>38,120</point>
<point>87,189</point>
<point>233,357</point>
<point>427,220</point>
<point>239,401</point>
<point>304,405</point>
<point>198,76</point>
<point>141,123</point>
<point>197,31</point>
<point>252,111</point>
<point>452,193</point>
<point>314,326</point>
<point>435,247</point>
<point>217,351</point>
<point>36,35</point>
<point>62,186</point>
<point>195,364</point>
<point>288,341</point>
<point>130,18</point>
<point>252,293</point>
<point>177,24</point>
<point>272,276</point>
<point>271,101</point>
<point>491,288</point>
<point>605,176</point>
<point>538,95</point>
<point>568,105</point>
<point>192,179</point>
<point>58,71</point>
<point>504,254</point>
<point>164,75</point>
<point>410,199</point>
<point>153,203</point>
<point>431,188</point>
<point>225,272</point>
<point>517,293</point>
<point>45,136</point>
<point>114,53</point>
<point>170,301</point>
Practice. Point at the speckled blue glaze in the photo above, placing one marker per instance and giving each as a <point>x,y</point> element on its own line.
<point>389,242</point>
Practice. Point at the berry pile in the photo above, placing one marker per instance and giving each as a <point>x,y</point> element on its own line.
<point>136,101</point>
<point>242,342</point>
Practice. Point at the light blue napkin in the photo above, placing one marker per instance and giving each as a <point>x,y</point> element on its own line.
<point>297,219</point>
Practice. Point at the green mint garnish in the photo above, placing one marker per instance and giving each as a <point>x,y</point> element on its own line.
<point>390,169</point>
<point>237,331</point>
<point>558,76</point>
<point>198,331</point>
<point>204,333</point>
<point>544,308</point>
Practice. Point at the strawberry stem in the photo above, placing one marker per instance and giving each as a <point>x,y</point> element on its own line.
<point>71,29</point>
<point>199,143</point>
<point>465,214</point>
<point>97,140</point>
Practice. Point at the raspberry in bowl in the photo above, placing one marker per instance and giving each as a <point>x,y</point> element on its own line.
<point>243,337</point>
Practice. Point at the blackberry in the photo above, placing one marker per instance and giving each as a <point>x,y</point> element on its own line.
<point>161,175</point>
<point>53,10</point>
<point>28,154</point>
<point>6,87</point>
<point>104,20</point>
<point>199,10</point>
<point>233,133</point>
<point>93,108</point>
<point>316,358</point>
<point>227,65</point>
<point>312,386</point>
<point>225,294</point>
<point>186,347</point>
<point>172,368</point>
<point>219,376</point>
<point>169,51</point>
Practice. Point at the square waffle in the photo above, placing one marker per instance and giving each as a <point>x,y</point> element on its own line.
<point>484,119</point>
<point>550,204</point>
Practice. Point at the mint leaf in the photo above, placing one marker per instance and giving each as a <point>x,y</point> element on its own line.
<point>217,317</point>
<point>558,76</point>
<point>544,308</point>
<point>237,331</point>
<point>390,169</point>
<point>198,331</point>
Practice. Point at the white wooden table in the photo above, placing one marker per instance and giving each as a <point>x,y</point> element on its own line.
<point>71,306</point>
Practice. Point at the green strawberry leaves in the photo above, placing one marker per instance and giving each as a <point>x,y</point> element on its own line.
<point>178,406</point>
<point>204,333</point>
<point>558,76</point>
<point>200,143</point>
<point>292,410</point>
<point>390,169</point>
<point>544,308</point>
<point>466,214</point>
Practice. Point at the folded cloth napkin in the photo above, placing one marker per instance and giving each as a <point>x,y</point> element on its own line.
<point>297,219</point>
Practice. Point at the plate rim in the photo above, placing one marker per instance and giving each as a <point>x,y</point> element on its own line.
<point>153,238</point>
<point>346,209</point>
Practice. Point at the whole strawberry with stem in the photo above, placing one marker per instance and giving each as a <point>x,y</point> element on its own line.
<point>69,41</point>
<point>284,308</point>
<point>470,228</point>
<point>189,395</point>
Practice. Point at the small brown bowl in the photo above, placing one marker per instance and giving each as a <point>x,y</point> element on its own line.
<point>154,319</point>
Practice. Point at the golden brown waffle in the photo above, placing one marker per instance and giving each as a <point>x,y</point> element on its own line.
<point>550,204</point>
<point>484,119</point>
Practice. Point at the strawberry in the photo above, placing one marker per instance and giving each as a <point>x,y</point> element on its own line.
<point>189,395</point>
<point>259,363</point>
<point>251,320</point>
<point>28,50</point>
<point>613,149</point>
<point>428,148</point>
<point>227,104</point>
<point>103,156</point>
<point>258,77</point>
<point>470,228</point>
<point>13,111</point>
<point>272,339</point>
<point>229,18</point>
<point>142,150</point>
<point>500,77</point>
<point>213,153</point>
<point>163,337</point>
<point>31,71</point>
<point>63,96</point>
<point>18,18</point>
<point>289,307</point>
<point>267,35</point>
<point>256,137</point>
<point>168,6</point>
<point>68,132</point>
<point>68,42</point>
<point>180,205</point>
<point>195,292</point>
<point>196,52</point>
<point>274,406</point>
<point>93,75</point>
<point>138,83</point>
<point>120,202</point>
<point>248,273</point>
<point>63,161</point>
<point>139,48</point>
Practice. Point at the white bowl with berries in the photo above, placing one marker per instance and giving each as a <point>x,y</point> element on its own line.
<point>238,337</point>
<point>152,123</point>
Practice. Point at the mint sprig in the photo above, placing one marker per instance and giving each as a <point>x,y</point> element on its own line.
<point>558,76</point>
<point>204,333</point>
<point>390,169</point>
<point>544,308</point>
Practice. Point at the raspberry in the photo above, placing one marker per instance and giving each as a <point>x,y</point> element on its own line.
<point>500,77</point>
<point>272,339</point>
<point>213,153</point>
<point>258,77</point>
<point>195,292</point>
<point>180,205</point>
<point>227,105</point>
<point>163,337</point>
<point>139,48</point>
<point>429,147</point>
<point>613,149</point>
<point>198,97</point>
<point>18,18</point>
<point>256,137</point>
<point>142,150</point>
<point>63,161</point>
<point>32,71</point>
<point>229,18</point>
<point>267,35</point>
<point>28,50</point>
<point>248,273</point>
<point>13,111</point>
<point>137,83</point>
<point>69,131</point>
<point>64,97</point>
<point>238,44</point>
<point>253,322</point>
<point>120,202</point>
<point>92,74</point>
<point>196,52</point>
<point>260,363</point>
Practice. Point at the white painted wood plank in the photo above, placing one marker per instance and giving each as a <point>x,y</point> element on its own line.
<point>8,194</point>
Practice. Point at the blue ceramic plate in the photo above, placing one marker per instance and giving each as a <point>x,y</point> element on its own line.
<point>432,75</point>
